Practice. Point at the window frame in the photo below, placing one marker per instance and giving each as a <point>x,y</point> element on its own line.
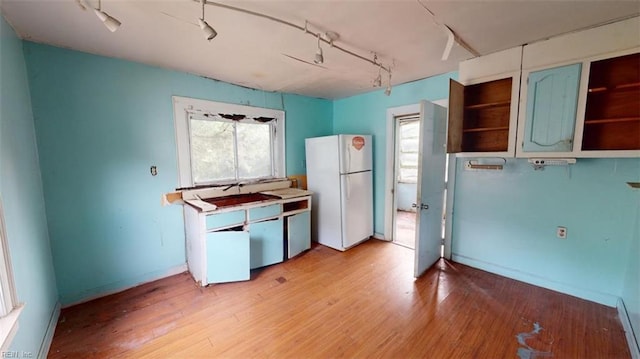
<point>184,106</point>
<point>402,121</point>
<point>10,309</point>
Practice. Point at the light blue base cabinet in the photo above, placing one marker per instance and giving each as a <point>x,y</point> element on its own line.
<point>227,256</point>
<point>298,233</point>
<point>266,243</point>
<point>552,99</point>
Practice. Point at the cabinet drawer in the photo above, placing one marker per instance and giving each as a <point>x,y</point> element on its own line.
<point>259,213</point>
<point>226,219</point>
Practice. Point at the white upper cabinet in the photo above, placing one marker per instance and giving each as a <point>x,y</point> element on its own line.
<point>580,94</point>
<point>576,95</point>
<point>483,108</point>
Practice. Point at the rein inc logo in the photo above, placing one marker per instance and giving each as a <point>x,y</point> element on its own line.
<point>17,354</point>
<point>358,142</point>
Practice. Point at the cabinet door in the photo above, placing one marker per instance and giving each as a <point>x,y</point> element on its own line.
<point>227,256</point>
<point>456,117</point>
<point>267,245</point>
<point>298,233</point>
<point>551,109</point>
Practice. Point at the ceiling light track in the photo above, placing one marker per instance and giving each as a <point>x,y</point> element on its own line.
<point>329,37</point>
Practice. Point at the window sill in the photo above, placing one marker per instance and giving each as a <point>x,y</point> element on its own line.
<point>9,327</point>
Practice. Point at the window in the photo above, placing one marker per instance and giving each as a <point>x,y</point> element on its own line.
<point>9,309</point>
<point>408,150</point>
<point>221,143</point>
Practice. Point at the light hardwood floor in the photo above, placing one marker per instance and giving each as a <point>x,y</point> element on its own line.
<point>363,303</point>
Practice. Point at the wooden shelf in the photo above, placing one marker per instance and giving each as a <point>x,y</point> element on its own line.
<point>487,105</point>
<point>611,120</point>
<point>485,129</point>
<point>622,87</point>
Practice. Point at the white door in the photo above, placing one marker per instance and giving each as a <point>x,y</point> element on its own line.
<point>431,168</point>
<point>357,207</point>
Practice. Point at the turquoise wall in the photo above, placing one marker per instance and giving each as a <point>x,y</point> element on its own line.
<point>505,222</point>
<point>101,123</point>
<point>22,198</point>
<point>367,114</point>
<point>631,285</point>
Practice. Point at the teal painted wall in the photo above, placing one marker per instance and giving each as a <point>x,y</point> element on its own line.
<point>22,198</point>
<point>505,222</point>
<point>101,123</point>
<point>367,114</point>
<point>631,285</point>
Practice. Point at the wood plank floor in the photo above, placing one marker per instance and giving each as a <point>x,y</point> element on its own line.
<point>363,303</point>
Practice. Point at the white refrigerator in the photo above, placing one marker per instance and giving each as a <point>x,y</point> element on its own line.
<point>339,173</point>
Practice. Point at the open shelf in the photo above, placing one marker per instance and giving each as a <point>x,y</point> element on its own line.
<point>612,117</point>
<point>622,87</point>
<point>611,120</point>
<point>484,129</point>
<point>488,105</point>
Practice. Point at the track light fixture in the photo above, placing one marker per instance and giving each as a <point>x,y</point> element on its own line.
<point>109,22</point>
<point>377,82</point>
<point>329,38</point>
<point>387,91</point>
<point>209,32</point>
<point>319,58</point>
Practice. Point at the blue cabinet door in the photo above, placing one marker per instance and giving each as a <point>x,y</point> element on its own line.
<point>552,98</point>
<point>267,243</point>
<point>227,256</point>
<point>299,233</point>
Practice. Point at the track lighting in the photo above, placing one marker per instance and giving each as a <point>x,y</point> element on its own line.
<point>110,22</point>
<point>319,58</point>
<point>377,82</point>
<point>387,91</point>
<point>209,32</point>
<point>329,38</point>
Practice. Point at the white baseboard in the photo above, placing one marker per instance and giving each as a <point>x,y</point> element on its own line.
<point>633,344</point>
<point>168,273</point>
<point>587,294</point>
<point>378,236</point>
<point>51,329</point>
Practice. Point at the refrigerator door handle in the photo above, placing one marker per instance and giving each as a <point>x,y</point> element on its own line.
<point>348,189</point>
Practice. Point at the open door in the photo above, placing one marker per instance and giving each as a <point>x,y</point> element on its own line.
<point>431,169</point>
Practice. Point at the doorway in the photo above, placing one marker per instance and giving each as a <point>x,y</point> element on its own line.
<point>407,141</point>
<point>401,219</point>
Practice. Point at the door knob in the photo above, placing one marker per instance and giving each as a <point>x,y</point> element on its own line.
<point>424,206</point>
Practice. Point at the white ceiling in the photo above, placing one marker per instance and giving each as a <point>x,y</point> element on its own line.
<point>249,51</point>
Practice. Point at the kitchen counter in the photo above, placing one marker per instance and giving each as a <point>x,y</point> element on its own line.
<point>228,235</point>
<point>244,201</point>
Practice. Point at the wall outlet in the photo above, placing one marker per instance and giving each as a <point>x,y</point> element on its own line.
<point>561,232</point>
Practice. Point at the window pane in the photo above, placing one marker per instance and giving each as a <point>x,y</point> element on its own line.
<point>254,150</point>
<point>212,157</point>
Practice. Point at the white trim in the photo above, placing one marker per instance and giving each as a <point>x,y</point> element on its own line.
<point>389,198</point>
<point>9,327</point>
<point>48,337</point>
<point>168,273</point>
<point>181,105</point>
<point>634,346</point>
<point>587,294</point>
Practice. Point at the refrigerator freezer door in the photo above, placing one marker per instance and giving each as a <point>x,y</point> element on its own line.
<point>357,207</point>
<point>355,153</point>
